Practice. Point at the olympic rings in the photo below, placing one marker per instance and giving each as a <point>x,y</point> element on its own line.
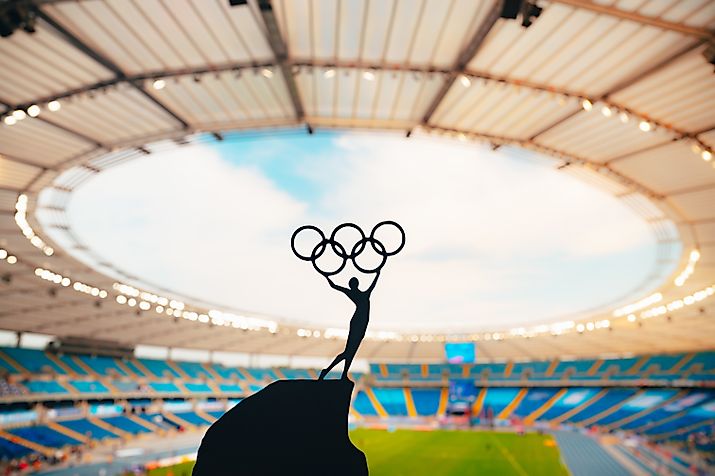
<point>342,253</point>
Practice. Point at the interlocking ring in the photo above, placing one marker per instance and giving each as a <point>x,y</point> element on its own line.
<point>396,225</point>
<point>296,232</point>
<point>320,249</point>
<point>340,251</point>
<point>353,253</point>
<point>374,243</point>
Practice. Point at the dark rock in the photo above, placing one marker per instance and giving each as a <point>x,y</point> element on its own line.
<point>291,427</point>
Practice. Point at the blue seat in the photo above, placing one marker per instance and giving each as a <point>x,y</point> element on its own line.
<point>44,386</point>
<point>44,436</point>
<point>363,405</point>
<point>85,427</point>
<point>164,387</point>
<point>126,424</point>
<point>392,400</point>
<point>426,400</point>
<point>89,386</point>
<point>35,361</point>
<point>10,450</point>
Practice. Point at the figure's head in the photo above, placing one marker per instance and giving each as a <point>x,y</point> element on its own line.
<point>353,283</point>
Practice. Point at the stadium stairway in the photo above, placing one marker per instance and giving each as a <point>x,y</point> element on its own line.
<point>608,411</point>
<point>178,420</point>
<point>60,364</point>
<point>409,403</point>
<point>31,445</point>
<point>577,409</point>
<point>109,428</point>
<point>12,364</point>
<point>67,432</point>
<point>145,423</point>
<point>479,401</point>
<point>125,368</point>
<point>585,457</point>
<point>376,403</point>
<point>625,420</point>
<point>544,408</point>
<point>507,411</point>
<point>206,416</point>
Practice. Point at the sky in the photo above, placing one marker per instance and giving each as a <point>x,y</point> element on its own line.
<point>495,239</point>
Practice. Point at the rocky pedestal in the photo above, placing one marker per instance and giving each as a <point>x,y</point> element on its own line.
<point>291,427</point>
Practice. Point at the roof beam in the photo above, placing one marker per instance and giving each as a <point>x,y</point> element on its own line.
<point>107,63</point>
<point>280,51</point>
<point>638,18</point>
<point>466,55</point>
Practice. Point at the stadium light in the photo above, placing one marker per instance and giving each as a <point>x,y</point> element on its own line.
<point>54,106</point>
<point>34,110</point>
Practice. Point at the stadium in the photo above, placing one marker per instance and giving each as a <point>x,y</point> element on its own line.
<point>550,310</point>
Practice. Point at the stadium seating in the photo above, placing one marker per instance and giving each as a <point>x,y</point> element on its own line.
<point>102,365</point>
<point>44,436</point>
<point>426,400</point>
<point>363,405</point>
<point>189,417</point>
<point>592,393</point>
<point>89,386</point>
<point>83,426</point>
<point>392,400</point>
<point>10,450</point>
<point>33,360</point>
<point>125,424</point>
<point>45,386</point>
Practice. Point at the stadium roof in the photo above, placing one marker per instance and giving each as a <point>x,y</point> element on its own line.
<point>619,93</point>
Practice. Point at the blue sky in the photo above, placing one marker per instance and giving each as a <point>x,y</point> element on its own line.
<point>495,238</point>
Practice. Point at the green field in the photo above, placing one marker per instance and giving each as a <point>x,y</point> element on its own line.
<point>458,453</point>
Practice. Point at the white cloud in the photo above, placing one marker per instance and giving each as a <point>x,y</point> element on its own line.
<point>492,241</point>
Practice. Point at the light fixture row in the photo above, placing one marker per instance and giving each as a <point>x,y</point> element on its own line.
<point>21,221</point>
<point>7,257</point>
<point>689,269</point>
<point>677,304</point>
<point>33,110</point>
<point>65,281</point>
<point>144,300</point>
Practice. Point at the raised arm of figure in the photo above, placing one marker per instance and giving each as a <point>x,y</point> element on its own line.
<point>336,287</point>
<point>372,286</point>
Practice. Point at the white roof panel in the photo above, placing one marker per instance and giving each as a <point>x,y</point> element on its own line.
<point>666,169</point>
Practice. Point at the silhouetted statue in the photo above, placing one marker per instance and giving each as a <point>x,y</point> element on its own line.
<point>358,323</point>
<point>300,427</point>
<point>361,299</point>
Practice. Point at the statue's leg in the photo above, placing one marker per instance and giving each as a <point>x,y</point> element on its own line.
<point>335,362</point>
<point>348,361</point>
